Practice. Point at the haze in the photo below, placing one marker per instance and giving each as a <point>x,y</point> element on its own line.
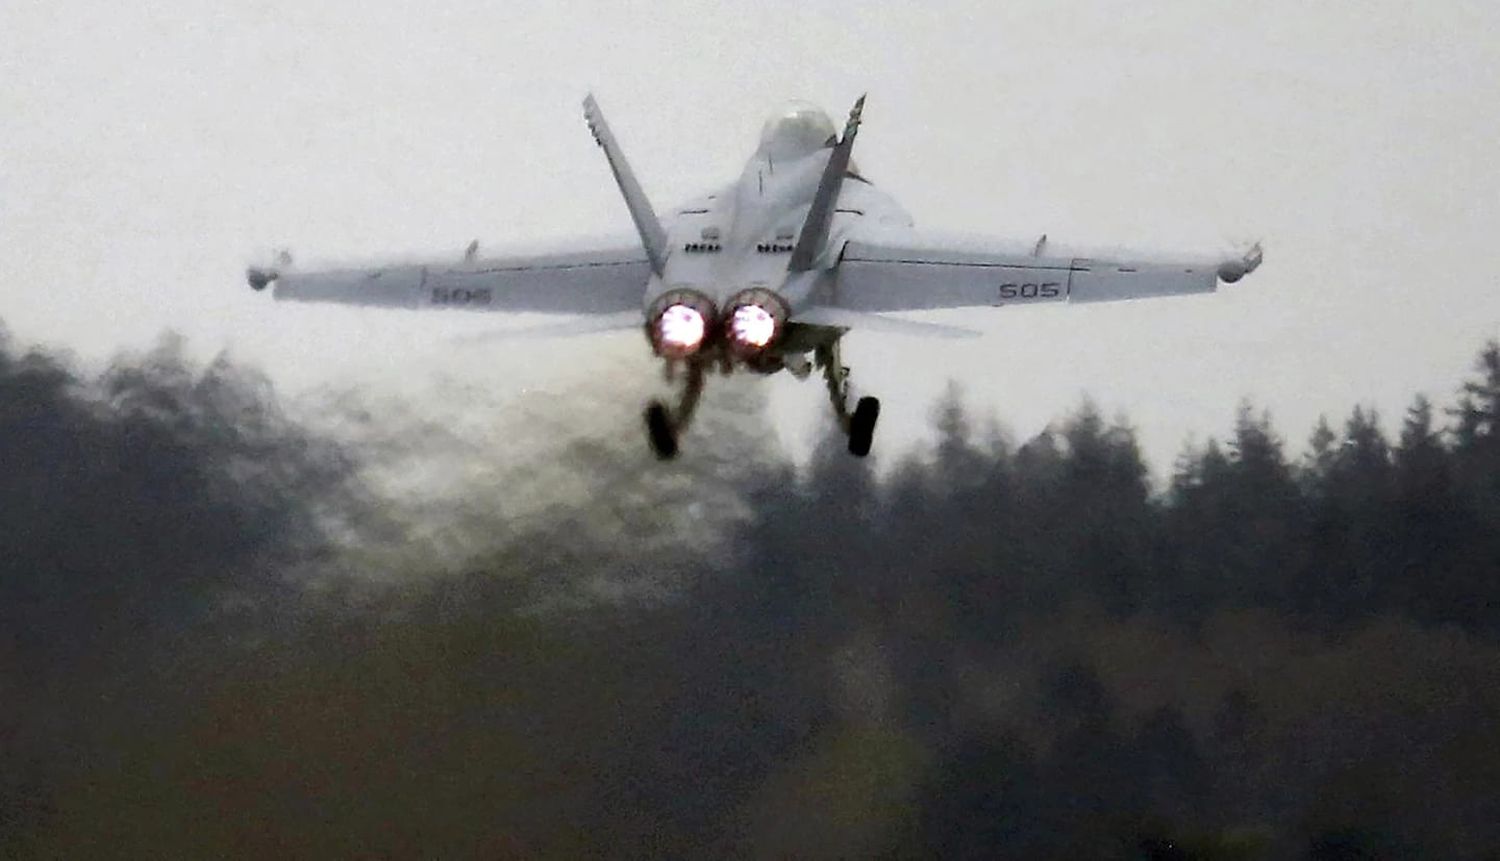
<point>149,150</point>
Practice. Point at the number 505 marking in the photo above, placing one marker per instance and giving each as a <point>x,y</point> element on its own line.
<point>461,296</point>
<point>1031,290</point>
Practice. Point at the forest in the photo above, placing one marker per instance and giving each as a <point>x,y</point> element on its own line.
<point>232,627</point>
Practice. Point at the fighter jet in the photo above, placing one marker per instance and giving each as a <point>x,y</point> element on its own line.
<point>766,274</point>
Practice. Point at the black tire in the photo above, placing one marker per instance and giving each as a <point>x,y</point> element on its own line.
<point>659,431</point>
<point>862,426</point>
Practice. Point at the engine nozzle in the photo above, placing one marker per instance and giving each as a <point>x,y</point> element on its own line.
<point>755,321</point>
<point>678,323</point>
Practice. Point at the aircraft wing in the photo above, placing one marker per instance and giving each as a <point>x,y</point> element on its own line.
<point>908,273</point>
<point>602,281</point>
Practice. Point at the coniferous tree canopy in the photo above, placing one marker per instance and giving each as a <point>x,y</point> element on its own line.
<point>219,637</point>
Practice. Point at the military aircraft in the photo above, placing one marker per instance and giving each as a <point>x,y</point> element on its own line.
<point>765,273</point>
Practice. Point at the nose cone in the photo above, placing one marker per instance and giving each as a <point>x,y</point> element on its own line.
<point>798,129</point>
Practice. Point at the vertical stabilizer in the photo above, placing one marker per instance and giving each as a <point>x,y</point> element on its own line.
<point>820,216</point>
<point>653,237</point>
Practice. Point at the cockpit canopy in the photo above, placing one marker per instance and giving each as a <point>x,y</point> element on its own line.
<point>798,129</point>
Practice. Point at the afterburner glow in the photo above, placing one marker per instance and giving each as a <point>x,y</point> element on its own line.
<point>754,322</point>
<point>680,328</point>
<point>752,326</point>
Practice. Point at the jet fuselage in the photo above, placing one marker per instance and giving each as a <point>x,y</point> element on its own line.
<point>741,237</point>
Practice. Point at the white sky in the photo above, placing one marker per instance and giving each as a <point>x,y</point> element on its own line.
<point>148,149</point>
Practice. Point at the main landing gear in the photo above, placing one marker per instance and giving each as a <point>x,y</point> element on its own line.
<point>860,424</point>
<point>665,425</point>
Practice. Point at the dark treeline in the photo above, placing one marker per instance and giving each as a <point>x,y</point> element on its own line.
<point>995,651</point>
<point>1369,567</point>
<point>144,512</point>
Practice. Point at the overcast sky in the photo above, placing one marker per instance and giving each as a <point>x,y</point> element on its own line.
<point>148,149</point>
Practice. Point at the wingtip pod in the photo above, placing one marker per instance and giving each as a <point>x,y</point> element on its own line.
<point>261,277</point>
<point>1234,270</point>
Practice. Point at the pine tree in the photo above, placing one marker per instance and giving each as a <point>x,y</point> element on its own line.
<point>1365,457</point>
<point>1429,521</point>
<point>1322,448</point>
<point>1103,525</point>
<point>1265,505</point>
<point>1216,464</point>
<point>1256,451</point>
<point>1484,393</point>
<point>1472,595</point>
<point>1421,462</point>
<point>1476,427</point>
<point>959,461</point>
<point>1353,537</point>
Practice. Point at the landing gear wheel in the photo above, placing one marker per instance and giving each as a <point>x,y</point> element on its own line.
<point>660,432</point>
<point>862,426</point>
<point>664,425</point>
